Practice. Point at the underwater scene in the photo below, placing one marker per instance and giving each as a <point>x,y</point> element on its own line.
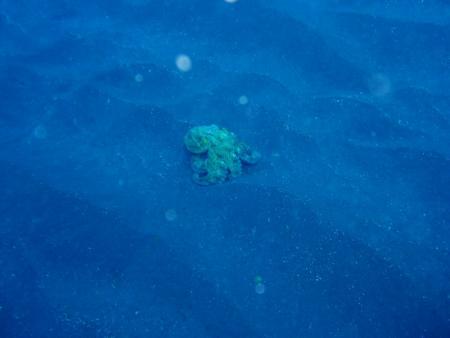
<point>225,168</point>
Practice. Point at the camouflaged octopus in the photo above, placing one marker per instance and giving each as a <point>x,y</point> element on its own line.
<point>217,154</point>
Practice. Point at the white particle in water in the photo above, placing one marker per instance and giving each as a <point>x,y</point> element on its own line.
<point>379,85</point>
<point>171,215</point>
<point>138,78</point>
<point>40,132</point>
<point>243,100</point>
<point>183,62</point>
<point>260,288</point>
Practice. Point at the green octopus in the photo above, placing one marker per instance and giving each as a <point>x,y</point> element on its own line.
<point>217,154</point>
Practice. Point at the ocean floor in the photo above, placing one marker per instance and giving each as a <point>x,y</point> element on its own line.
<point>341,230</point>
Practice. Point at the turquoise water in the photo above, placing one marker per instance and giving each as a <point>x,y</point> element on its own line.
<point>341,230</point>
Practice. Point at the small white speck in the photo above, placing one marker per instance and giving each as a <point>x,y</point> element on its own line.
<point>138,78</point>
<point>243,100</point>
<point>260,288</point>
<point>40,132</point>
<point>183,62</point>
<point>171,215</point>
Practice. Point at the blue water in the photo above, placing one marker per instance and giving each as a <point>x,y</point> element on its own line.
<point>342,229</point>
